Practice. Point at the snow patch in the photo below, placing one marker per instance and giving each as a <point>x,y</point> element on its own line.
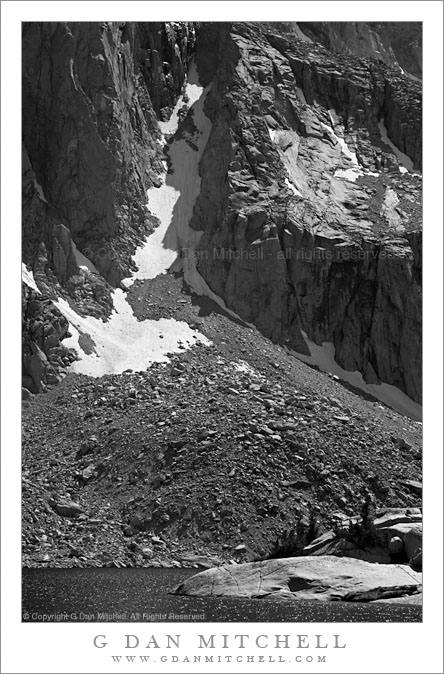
<point>324,357</point>
<point>192,93</point>
<point>405,162</point>
<point>334,119</point>
<point>39,190</point>
<point>301,35</point>
<point>344,147</point>
<point>242,366</point>
<point>173,202</point>
<point>83,261</point>
<point>28,278</point>
<point>351,174</point>
<point>291,186</point>
<point>288,145</point>
<point>122,342</point>
<point>173,244</point>
<point>301,95</point>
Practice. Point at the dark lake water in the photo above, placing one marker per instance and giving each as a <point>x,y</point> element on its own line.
<point>141,595</point>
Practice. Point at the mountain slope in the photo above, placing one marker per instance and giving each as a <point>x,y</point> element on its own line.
<point>232,444</point>
<point>204,207</point>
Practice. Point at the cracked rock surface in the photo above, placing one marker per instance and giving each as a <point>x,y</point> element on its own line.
<point>325,578</point>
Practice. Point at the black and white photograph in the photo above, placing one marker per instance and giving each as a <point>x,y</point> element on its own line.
<point>222,337</point>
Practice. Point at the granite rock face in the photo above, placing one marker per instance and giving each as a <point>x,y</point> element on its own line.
<point>398,45</point>
<point>45,359</point>
<point>310,223</point>
<point>92,94</point>
<point>92,97</point>
<point>325,578</point>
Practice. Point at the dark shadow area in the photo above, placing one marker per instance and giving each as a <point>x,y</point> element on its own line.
<point>207,306</point>
<point>297,584</point>
<point>180,177</point>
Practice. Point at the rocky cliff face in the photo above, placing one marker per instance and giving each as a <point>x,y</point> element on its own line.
<point>309,222</point>
<point>396,44</point>
<point>92,95</point>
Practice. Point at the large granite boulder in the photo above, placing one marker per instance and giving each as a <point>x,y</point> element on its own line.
<point>326,578</point>
<point>407,526</point>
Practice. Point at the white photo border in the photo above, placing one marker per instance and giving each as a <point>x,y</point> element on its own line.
<point>371,647</point>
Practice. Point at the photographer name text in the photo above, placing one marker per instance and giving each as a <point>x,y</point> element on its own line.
<point>132,643</point>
